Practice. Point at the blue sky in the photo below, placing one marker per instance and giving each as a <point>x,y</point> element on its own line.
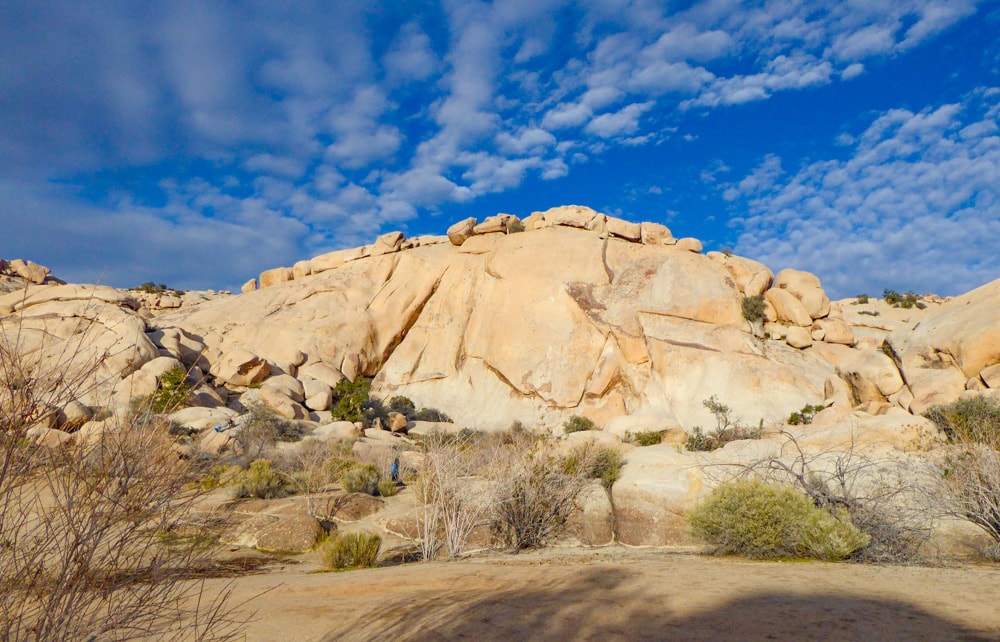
<point>198,143</point>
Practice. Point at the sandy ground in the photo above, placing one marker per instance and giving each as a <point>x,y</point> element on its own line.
<point>621,594</point>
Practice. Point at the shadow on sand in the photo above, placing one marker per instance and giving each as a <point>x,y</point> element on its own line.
<point>603,605</point>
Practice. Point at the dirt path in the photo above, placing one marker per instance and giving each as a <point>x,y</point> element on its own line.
<point>618,594</point>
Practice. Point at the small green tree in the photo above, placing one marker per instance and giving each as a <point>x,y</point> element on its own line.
<point>753,308</point>
<point>576,423</point>
<point>173,392</point>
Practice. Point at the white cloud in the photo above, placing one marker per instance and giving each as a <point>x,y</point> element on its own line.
<point>623,121</point>
<point>909,210</point>
<point>410,58</point>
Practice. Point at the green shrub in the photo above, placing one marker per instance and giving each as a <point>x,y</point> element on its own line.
<point>897,300</point>
<point>645,438</point>
<point>765,521</point>
<point>220,476</point>
<point>361,478</point>
<point>260,429</point>
<point>403,406</point>
<point>351,550</point>
<point>862,299</point>
<point>974,420</point>
<point>349,399</point>
<point>594,462</point>
<point>576,423</point>
<point>387,488</point>
<point>432,414</point>
<point>804,416</point>
<point>515,227</point>
<point>753,308</point>
<point>261,480</point>
<point>173,391</point>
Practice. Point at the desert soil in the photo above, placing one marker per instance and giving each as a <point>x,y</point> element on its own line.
<point>624,594</point>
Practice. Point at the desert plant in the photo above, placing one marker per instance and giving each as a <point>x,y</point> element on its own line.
<point>173,391</point>
<point>753,308</point>
<point>534,500</point>
<point>969,420</point>
<point>82,552</point>
<point>804,416</point>
<point>387,488</point>
<point>761,520</point>
<point>870,313</point>
<point>351,550</point>
<point>361,478</point>
<point>861,299</point>
<point>403,406</point>
<point>515,226</point>
<point>594,462</point>
<point>645,437</point>
<point>261,480</point>
<point>576,423</point>
<point>349,398</point>
<point>431,414</point>
<point>258,431</point>
<point>897,300</point>
<point>727,429</point>
<point>884,499</point>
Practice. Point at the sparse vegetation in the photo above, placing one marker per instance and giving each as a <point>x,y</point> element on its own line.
<point>259,430</point>
<point>861,299</point>
<point>156,288</point>
<point>173,392</point>
<point>870,313</point>
<point>351,550</point>
<point>362,478</point>
<point>753,308</point>
<point>897,300</point>
<point>644,437</point>
<point>576,423</point>
<point>804,416</point>
<point>726,430</point>
<point>594,462</point>
<point>261,480</point>
<point>970,473</point>
<point>515,226</point>
<point>761,521</point>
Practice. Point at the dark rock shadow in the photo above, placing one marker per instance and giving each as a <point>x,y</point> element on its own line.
<point>598,606</point>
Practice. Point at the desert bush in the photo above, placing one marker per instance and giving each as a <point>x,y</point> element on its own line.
<point>535,499</point>
<point>969,420</point>
<point>727,429</point>
<point>432,414</point>
<point>761,521</point>
<point>351,550</point>
<point>871,313</point>
<point>861,299</point>
<point>753,308</point>
<point>361,478</point>
<point>804,416</point>
<point>259,430</point>
<point>576,423</point>
<point>403,406</point>
<point>387,488</point>
<point>886,500</point>
<point>515,227</point>
<point>220,476</point>
<point>594,462</point>
<point>261,480</point>
<point>349,399</point>
<point>82,553</point>
<point>645,437</point>
<point>897,300</point>
<point>173,392</point>
<point>969,474</point>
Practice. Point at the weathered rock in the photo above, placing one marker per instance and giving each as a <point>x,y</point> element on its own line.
<point>277,399</point>
<point>836,331</point>
<point>335,431</point>
<point>991,376</point>
<point>654,233</point>
<point>317,394</point>
<point>593,523</point>
<point>496,224</point>
<point>161,365</point>
<point>29,270</point>
<point>752,278</point>
<point>570,216</point>
<point>301,269</point>
<point>72,415</point>
<point>387,243</point>
<point>807,289</point>
<point>273,277</point>
<point>788,307</point>
<point>397,422</point>
<point>322,372</point>
<point>689,244</point>
<point>286,385</point>
<point>462,231</point>
<point>872,376</point>
<point>249,286</point>
<point>798,337</point>
<point>624,229</point>
<point>352,507</point>
<point>241,368</point>
<point>295,533</point>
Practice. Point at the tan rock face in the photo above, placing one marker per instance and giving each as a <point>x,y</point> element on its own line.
<point>570,216</point>
<point>807,289</point>
<point>654,233</point>
<point>462,231</point>
<point>273,277</point>
<point>788,308</point>
<point>798,337</point>
<point>871,374</point>
<point>241,368</point>
<point>752,278</point>
<point>29,270</point>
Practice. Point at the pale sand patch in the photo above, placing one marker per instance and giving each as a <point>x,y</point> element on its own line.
<point>620,594</point>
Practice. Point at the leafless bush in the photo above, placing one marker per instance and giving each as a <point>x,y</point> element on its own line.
<point>454,496</point>
<point>883,498</point>
<point>99,536</point>
<point>970,488</point>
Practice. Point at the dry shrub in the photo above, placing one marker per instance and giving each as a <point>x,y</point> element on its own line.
<point>351,550</point>
<point>261,480</point>
<point>362,478</point>
<point>86,526</point>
